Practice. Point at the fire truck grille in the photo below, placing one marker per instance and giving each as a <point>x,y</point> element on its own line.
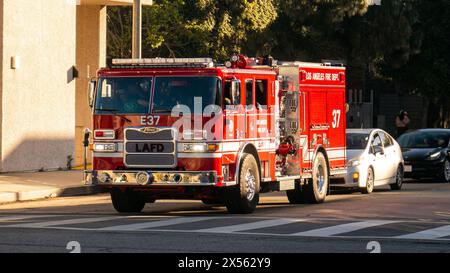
<point>150,148</point>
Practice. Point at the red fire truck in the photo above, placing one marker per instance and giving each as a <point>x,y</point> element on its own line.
<point>221,133</point>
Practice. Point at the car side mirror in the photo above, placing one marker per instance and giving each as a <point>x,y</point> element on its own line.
<point>91,91</point>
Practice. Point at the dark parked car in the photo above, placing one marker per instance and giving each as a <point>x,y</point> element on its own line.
<point>426,153</point>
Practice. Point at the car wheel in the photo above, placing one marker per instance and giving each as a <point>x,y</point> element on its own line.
<point>127,201</point>
<point>446,171</point>
<point>370,182</point>
<point>244,197</point>
<point>398,179</point>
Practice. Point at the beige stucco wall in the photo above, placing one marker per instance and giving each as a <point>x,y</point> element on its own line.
<point>38,98</point>
<point>1,78</point>
<point>90,56</point>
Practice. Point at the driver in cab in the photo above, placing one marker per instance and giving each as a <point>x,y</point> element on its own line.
<point>133,99</point>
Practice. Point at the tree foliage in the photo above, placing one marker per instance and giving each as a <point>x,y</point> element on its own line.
<point>404,42</point>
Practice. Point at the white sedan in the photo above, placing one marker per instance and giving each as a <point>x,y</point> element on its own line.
<point>374,159</point>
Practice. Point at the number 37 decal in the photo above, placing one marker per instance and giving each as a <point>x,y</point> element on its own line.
<point>336,118</point>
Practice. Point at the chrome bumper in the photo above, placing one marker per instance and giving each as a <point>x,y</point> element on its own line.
<point>149,178</point>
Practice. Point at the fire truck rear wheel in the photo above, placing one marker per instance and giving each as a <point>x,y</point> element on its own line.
<point>127,201</point>
<point>316,190</point>
<point>244,197</point>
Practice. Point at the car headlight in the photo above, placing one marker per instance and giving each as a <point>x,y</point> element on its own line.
<point>434,156</point>
<point>105,147</point>
<point>199,148</point>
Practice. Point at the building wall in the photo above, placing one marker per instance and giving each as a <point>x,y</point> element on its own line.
<point>90,56</point>
<point>1,78</point>
<point>38,98</point>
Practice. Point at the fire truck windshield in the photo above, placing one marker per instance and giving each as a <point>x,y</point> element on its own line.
<point>123,95</point>
<point>176,91</point>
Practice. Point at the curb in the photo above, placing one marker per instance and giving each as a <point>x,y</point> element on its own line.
<point>11,197</point>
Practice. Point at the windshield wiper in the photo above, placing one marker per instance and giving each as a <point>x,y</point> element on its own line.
<point>162,111</point>
<point>114,112</point>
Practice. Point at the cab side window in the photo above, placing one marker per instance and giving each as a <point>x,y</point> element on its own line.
<point>261,94</point>
<point>249,94</point>
<point>229,97</point>
<point>386,139</point>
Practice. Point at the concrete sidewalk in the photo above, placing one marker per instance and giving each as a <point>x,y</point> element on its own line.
<point>39,185</point>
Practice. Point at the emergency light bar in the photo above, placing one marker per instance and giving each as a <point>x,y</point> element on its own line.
<point>165,62</point>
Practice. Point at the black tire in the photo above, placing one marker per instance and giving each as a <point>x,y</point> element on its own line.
<point>297,195</point>
<point>316,190</point>
<point>127,201</point>
<point>370,182</point>
<point>244,197</point>
<point>399,176</point>
<point>445,175</point>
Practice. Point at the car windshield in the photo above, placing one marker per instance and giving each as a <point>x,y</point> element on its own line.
<point>357,141</point>
<point>181,91</point>
<point>424,140</point>
<point>123,95</point>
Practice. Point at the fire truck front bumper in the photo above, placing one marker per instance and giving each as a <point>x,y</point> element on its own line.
<point>150,178</point>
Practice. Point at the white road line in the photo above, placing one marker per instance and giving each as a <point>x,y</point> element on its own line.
<point>25,217</point>
<point>428,234</point>
<point>249,226</point>
<point>344,228</point>
<point>153,224</point>
<point>63,222</point>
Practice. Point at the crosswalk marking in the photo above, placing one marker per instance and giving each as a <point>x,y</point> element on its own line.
<point>429,234</point>
<point>25,217</point>
<point>153,224</point>
<point>160,223</point>
<point>63,222</point>
<point>249,226</point>
<point>344,228</point>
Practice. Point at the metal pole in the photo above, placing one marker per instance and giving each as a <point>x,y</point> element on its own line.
<point>137,29</point>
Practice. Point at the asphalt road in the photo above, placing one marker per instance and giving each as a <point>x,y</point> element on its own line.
<point>416,219</point>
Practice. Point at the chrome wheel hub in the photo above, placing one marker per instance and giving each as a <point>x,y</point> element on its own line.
<point>250,182</point>
<point>447,170</point>
<point>369,181</point>
<point>320,177</point>
<point>399,179</point>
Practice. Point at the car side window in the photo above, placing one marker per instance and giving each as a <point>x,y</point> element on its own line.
<point>376,141</point>
<point>386,139</point>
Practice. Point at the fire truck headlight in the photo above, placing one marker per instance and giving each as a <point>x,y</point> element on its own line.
<point>199,148</point>
<point>105,147</point>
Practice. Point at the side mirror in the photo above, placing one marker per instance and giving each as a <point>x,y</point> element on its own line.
<point>377,150</point>
<point>91,92</point>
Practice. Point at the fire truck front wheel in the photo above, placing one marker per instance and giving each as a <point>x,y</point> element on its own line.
<point>127,201</point>
<point>244,197</point>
